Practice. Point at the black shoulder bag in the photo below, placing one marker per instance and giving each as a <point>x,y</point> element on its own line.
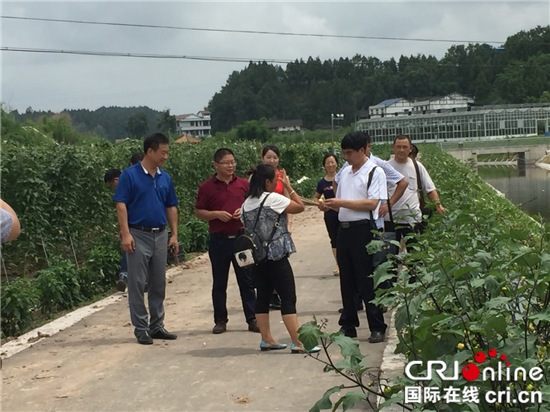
<point>425,209</point>
<point>388,247</point>
<point>249,247</point>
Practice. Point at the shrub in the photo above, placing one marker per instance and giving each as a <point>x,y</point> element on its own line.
<point>19,298</point>
<point>102,266</point>
<point>59,286</point>
<point>194,235</point>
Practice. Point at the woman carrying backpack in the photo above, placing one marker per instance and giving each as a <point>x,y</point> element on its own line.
<point>275,272</point>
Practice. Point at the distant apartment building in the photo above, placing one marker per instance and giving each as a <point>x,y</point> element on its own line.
<point>196,125</point>
<point>451,101</point>
<point>400,106</point>
<point>390,107</point>
<point>285,126</point>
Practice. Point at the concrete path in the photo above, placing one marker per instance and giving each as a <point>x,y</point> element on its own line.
<point>96,364</point>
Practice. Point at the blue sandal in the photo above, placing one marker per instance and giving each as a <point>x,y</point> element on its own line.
<point>300,349</point>
<point>265,346</point>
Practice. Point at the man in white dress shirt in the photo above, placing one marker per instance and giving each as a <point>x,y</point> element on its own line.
<point>407,213</point>
<point>355,202</point>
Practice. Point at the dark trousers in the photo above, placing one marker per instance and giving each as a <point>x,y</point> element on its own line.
<point>278,275</point>
<point>404,229</point>
<point>124,263</point>
<point>355,270</point>
<point>332,223</point>
<point>220,250</point>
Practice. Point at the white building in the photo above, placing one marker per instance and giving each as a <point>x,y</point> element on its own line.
<point>451,101</point>
<point>196,125</point>
<point>285,126</point>
<point>391,107</point>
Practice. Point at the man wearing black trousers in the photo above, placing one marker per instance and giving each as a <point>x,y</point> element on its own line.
<point>355,203</point>
<point>219,201</point>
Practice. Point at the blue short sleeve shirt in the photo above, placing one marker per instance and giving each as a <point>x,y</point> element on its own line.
<point>146,197</point>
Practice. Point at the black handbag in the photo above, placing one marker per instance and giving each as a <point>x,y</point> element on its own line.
<point>249,249</point>
<point>424,208</point>
<point>388,247</point>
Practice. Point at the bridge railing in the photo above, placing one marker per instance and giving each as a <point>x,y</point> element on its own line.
<point>517,141</point>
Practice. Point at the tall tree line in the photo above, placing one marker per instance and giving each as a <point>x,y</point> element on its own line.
<point>311,90</point>
<point>109,122</point>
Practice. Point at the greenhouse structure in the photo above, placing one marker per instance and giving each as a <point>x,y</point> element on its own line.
<point>474,123</point>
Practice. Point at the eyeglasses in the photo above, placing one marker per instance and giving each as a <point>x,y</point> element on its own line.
<point>229,163</point>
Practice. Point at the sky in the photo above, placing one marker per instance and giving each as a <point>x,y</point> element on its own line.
<point>55,81</point>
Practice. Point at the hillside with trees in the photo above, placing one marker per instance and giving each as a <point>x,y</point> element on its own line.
<point>518,72</point>
<point>110,123</point>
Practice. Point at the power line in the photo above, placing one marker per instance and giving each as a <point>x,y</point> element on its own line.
<point>234,59</point>
<point>145,55</point>
<point>274,33</point>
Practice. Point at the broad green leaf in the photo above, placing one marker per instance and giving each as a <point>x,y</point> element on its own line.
<point>497,302</point>
<point>351,398</point>
<point>541,316</point>
<point>310,334</point>
<point>325,402</point>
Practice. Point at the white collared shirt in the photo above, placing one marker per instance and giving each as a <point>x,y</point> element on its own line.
<point>392,175</point>
<point>353,186</point>
<point>407,208</point>
<point>147,171</point>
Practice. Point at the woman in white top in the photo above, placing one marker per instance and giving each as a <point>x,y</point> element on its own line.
<point>275,272</point>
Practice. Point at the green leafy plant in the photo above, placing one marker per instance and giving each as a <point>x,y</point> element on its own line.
<point>194,235</point>
<point>363,381</point>
<point>19,299</point>
<point>476,280</point>
<point>59,286</point>
<point>102,266</point>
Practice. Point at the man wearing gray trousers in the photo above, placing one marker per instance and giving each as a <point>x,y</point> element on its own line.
<point>146,202</point>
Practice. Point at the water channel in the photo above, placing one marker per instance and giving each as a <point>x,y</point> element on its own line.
<point>528,186</point>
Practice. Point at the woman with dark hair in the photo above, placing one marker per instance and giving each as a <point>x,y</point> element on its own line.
<point>275,272</point>
<point>271,156</point>
<point>325,189</point>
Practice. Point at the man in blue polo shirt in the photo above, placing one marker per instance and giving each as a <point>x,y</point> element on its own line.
<point>146,202</point>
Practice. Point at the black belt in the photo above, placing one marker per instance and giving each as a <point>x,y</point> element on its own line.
<point>148,229</point>
<point>346,225</point>
<point>221,235</point>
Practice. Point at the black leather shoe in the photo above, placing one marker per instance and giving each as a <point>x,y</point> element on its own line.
<point>121,285</point>
<point>164,334</point>
<point>349,332</point>
<point>377,337</point>
<point>220,327</point>
<point>144,338</point>
<point>253,326</point>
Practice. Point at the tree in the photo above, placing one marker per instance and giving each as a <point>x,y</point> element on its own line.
<point>482,88</point>
<point>137,125</point>
<point>166,123</point>
<point>254,130</point>
<point>545,97</point>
